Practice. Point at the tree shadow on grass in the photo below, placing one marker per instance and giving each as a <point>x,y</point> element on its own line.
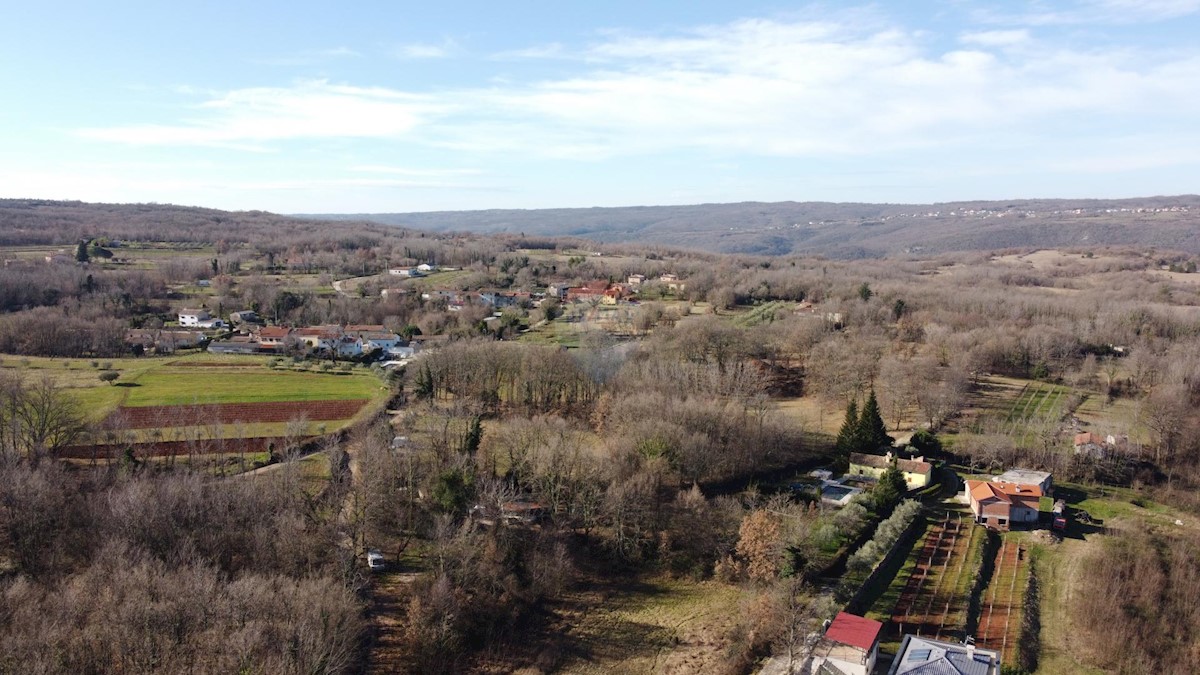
<point>126,384</point>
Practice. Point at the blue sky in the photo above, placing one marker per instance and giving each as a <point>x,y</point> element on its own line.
<point>401,106</point>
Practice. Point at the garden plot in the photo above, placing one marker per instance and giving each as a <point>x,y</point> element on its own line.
<point>1000,607</point>
<point>935,597</point>
<point>1036,401</point>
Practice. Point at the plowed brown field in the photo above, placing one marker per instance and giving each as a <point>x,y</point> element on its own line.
<point>175,448</point>
<point>202,414</point>
<point>1000,609</point>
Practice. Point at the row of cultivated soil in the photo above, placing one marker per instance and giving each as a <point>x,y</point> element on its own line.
<point>202,414</point>
<point>931,603</point>
<point>934,602</point>
<point>222,446</point>
<point>1000,607</point>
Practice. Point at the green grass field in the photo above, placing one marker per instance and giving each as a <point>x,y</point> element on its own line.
<point>169,386</point>
<point>190,379</point>
<point>765,313</point>
<point>1036,401</point>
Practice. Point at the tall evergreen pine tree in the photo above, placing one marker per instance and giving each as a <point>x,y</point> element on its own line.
<point>846,441</point>
<point>473,437</point>
<point>872,432</point>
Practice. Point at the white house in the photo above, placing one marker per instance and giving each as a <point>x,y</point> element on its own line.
<point>372,340</point>
<point>404,272</point>
<point>402,352</point>
<point>193,317</point>
<point>198,318</point>
<point>425,267</point>
<point>348,346</point>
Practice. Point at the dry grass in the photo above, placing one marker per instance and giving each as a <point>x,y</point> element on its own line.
<point>1178,277</point>
<point>812,412</point>
<point>651,626</point>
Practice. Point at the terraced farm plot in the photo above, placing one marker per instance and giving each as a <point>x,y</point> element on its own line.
<point>935,597</point>
<point>1000,607</point>
<point>767,312</point>
<point>1024,410</point>
<point>1037,400</point>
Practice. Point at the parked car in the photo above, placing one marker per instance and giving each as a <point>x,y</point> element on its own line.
<point>375,560</point>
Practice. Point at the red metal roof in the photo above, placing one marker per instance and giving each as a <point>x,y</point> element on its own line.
<point>855,631</point>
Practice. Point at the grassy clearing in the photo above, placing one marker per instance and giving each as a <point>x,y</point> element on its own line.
<point>1119,416</point>
<point>1058,570</point>
<point>656,625</point>
<point>168,386</point>
<point>813,413</point>
<point>1037,400</point>
<point>1063,648</point>
<point>558,332</point>
<point>765,313</point>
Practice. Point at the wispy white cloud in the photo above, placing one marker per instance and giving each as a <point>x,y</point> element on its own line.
<point>136,186</point>
<point>254,117</point>
<point>791,89</point>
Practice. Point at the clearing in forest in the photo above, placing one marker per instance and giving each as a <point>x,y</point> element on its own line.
<point>646,625</point>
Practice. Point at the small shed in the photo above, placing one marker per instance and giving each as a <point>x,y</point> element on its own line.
<point>850,646</point>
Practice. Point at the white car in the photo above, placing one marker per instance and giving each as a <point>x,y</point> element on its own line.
<point>375,560</point>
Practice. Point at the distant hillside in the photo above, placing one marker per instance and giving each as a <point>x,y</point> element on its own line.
<point>846,230</point>
<point>42,221</point>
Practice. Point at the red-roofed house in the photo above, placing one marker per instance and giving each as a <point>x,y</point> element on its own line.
<point>850,646</point>
<point>592,289</point>
<point>999,505</point>
<point>319,337</point>
<point>1095,445</point>
<point>274,337</point>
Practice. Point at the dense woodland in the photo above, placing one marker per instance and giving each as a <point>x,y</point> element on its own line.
<point>646,442</point>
